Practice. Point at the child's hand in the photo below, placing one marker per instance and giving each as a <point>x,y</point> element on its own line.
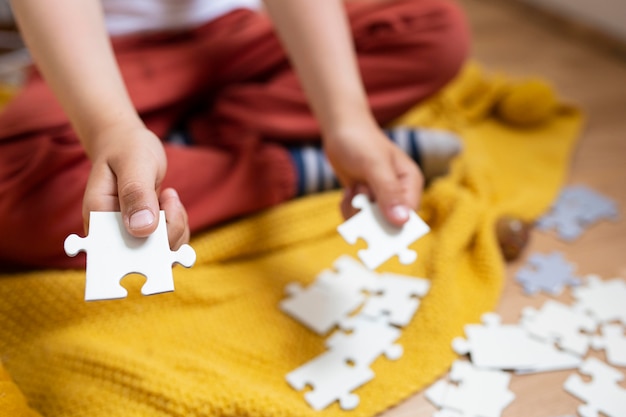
<point>366,161</point>
<point>128,168</point>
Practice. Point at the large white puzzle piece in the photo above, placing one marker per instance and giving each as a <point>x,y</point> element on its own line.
<point>113,253</point>
<point>368,339</point>
<point>510,347</point>
<point>397,298</point>
<point>473,392</point>
<point>559,323</point>
<point>318,307</point>
<point>332,297</point>
<point>333,378</point>
<point>613,341</point>
<point>603,299</point>
<point>602,394</point>
<point>384,239</point>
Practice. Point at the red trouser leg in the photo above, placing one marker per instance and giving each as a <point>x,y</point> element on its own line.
<point>233,74</point>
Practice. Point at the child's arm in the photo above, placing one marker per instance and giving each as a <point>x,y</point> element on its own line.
<point>69,42</point>
<point>317,37</point>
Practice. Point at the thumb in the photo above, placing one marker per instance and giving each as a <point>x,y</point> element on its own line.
<point>139,202</point>
<point>391,194</point>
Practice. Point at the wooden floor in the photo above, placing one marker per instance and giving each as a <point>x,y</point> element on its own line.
<point>517,42</point>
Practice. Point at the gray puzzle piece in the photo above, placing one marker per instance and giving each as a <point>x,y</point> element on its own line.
<point>550,273</point>
<point>576,208</point>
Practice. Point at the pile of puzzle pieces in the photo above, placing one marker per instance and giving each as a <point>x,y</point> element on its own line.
<point>368,308</point>
<point>555,337</point>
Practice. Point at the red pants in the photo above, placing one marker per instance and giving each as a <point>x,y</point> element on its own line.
<point>232,82</point>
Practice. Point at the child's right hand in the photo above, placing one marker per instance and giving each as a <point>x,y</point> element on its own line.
<point>129,165</point>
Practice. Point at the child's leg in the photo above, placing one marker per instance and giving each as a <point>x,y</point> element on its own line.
<point>407,50</point>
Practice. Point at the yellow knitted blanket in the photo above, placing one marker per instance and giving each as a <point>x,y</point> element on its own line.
<point>219,345</point>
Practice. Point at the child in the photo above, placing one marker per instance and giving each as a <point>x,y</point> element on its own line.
<point>253,90</point>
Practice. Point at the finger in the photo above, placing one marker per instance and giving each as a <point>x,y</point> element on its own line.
<point>176,216</point>
<point>138,199</point>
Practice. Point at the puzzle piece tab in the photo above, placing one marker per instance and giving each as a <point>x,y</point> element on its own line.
<point>602,394</point>
<point>113,253</point>
<point>384,239</point>
<point>550,273</point>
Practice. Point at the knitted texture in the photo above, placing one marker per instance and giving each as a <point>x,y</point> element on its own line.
<point>220,346</point>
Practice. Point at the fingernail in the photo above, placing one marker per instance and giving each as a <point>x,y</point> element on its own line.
<point>400,212</point>
<point>141,219</point>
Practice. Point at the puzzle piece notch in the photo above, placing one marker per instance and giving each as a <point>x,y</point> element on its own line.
<point>113,253</point>
<point>602,394</point>
<point>576,208</point>
<point>473,392</point>
<point>509,347</point>
<point>559,323</point>
<point>602,299</point>
<point>550,273</point>
<point>332,378</point>
<point>369,338</point>
<point>397,299</point>
<point>613,341</point>
<point>384,239</point>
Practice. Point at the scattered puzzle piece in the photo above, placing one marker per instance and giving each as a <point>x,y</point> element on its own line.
<point>384,240</point>
<point>113,253</point>
<point>319,307</point>
<point>602,394</point>
<point>556,322</point>
<point>509,347</point>
<point>613,341</point>
<point>576,208</point>
<point>368,339</point>
<point>474,392</point>
<point>332,378</point>
<point>603,299</point>
<point>397,299</point>
<point>550,273</point>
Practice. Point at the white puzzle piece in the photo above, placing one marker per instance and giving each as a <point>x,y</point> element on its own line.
<point>384,239</point>
<point>367,340</point>
<point>602,394</point>
<point>397,298</point>
<point>613,341</point>
<point>603,299</point>
<point>113,253</point>
<point>320,307</point>
<point>332,378</point>
<point>510,347</point>
<point>349,275</point>
<point>473,392</point>
<point>559,323</point>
